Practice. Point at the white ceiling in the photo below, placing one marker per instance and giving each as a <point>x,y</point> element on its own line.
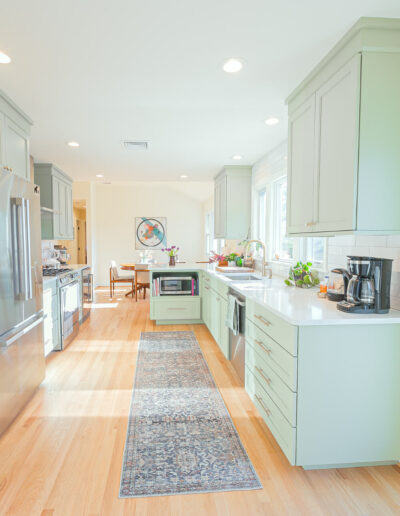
<point>100,71</point>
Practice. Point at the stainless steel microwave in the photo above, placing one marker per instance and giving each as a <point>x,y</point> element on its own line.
<point>177,285</point>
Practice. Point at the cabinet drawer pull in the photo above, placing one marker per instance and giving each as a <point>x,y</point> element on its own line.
<point>262,346</point>
<point>207,288</point>
<point>261,372</point>
<point>260,401</point>
<point>177,308</point>
<point>261,319</point>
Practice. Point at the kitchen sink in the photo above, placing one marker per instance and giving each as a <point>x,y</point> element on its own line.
<point>242,277</point>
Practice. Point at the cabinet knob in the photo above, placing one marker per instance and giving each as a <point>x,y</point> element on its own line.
<point>309,224</point>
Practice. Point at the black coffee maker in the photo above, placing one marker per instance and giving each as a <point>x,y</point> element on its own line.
<point>367,285</point>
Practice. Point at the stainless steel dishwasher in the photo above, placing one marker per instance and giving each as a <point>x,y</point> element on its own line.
<point>237,343</point>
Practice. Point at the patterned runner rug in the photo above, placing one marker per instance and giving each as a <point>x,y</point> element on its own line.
<point>180,436</point>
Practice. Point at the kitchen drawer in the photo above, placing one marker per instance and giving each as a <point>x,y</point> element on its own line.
<point>280,428</point>
<point>274,355</point>
<point>282,332</point>
<point>176,309</point>
<point>285,398</point>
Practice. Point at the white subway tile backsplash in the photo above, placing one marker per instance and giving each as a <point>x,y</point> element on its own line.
<point>393,241</point>
<point>345,240</point>
<point>371,240</point>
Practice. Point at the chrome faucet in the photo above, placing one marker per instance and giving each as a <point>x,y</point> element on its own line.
<point>246,246</point>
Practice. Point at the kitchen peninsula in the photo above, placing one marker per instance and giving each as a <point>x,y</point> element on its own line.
<point>320,378</point>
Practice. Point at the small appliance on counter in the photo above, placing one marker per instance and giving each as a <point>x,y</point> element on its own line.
<point>337,284</point>
<point>63,255</point>
<point>366,285</point>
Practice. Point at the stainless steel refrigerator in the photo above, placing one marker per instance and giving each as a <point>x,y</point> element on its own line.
<point>22,366</point>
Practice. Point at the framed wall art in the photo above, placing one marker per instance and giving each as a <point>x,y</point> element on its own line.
<point>151,232</point>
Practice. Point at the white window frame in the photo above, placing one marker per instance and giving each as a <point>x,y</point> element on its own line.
<point>300,244</point>
<point>275,235</point>
<point>261,192</point>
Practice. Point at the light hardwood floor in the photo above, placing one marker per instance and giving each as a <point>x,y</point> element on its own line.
<point>63,454</point>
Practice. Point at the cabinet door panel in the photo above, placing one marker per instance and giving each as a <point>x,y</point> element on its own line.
<point>336,161</point>
<point>220,208</point>
<point>301,168</point>
<point>2,142</point>
<point>57,208</point>
<point>223,329</point>
<point>16,149</point>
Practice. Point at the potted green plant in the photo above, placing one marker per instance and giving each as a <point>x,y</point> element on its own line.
<point>301,275</point>
<point>232,259</point>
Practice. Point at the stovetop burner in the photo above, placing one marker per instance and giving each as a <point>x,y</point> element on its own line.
<point>51,271</point>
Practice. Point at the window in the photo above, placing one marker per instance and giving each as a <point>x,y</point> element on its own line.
<point>314,250</point>
<point>209,236</point>
<point>282,247</point>
<point>261,212</point>
<point>212,244</point>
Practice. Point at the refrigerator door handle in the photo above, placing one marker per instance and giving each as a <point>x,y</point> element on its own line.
<point>17,246</point>
<point>5,343</point>
<point>27,251</point>
<point>21,236</point>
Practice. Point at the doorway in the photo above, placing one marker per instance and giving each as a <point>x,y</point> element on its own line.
<point>80,231</point>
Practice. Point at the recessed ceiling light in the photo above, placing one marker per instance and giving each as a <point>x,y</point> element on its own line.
<point>99,175</point>
<point>237,156</point>
<point>272,120</point>
<point>183,176</point>
<point>4,59</point>
<point>232,65</point>
<point>73,144</point>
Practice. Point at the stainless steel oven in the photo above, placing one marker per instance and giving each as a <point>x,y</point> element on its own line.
<point>87,292</point>
<point>69,305</point>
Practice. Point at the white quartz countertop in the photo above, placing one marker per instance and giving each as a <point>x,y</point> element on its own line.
<point>301,307</point>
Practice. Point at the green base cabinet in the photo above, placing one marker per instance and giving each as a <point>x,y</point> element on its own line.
<point>329,394</point>
<point>51,310</point>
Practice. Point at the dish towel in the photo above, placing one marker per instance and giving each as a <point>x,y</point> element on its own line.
<point>232,315</point>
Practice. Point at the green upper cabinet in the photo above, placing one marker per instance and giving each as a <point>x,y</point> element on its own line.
<point>15,127</point>
<point>232,203</point>
<point>55,201</point>
<point>344,122</point>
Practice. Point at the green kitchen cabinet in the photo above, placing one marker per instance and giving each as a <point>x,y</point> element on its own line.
<point>15,128</point>
<point>343,152</point>
<point>328,393</point>
<point>178,308</point>
<point>223,329</point>
<point>56,202</point>
<point>51,309</point>
<point>232,202</point>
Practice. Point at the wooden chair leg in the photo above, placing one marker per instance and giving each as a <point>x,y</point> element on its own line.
<point>136,288</point>
<point>133,287</point>
<point>110,284</point>
<point>144,293</point>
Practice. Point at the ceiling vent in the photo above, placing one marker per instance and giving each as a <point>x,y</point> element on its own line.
<point>135,145</point>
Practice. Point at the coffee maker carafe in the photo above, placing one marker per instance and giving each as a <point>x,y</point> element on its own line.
<point>368,287</point>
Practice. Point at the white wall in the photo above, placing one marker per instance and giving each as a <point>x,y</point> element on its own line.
<point>117,205</point>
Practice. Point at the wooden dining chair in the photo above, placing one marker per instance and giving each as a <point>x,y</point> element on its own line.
<point>142,278</point>
<point>116,278</point>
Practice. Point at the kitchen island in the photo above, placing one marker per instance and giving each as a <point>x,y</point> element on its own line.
<point>324,381</point>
